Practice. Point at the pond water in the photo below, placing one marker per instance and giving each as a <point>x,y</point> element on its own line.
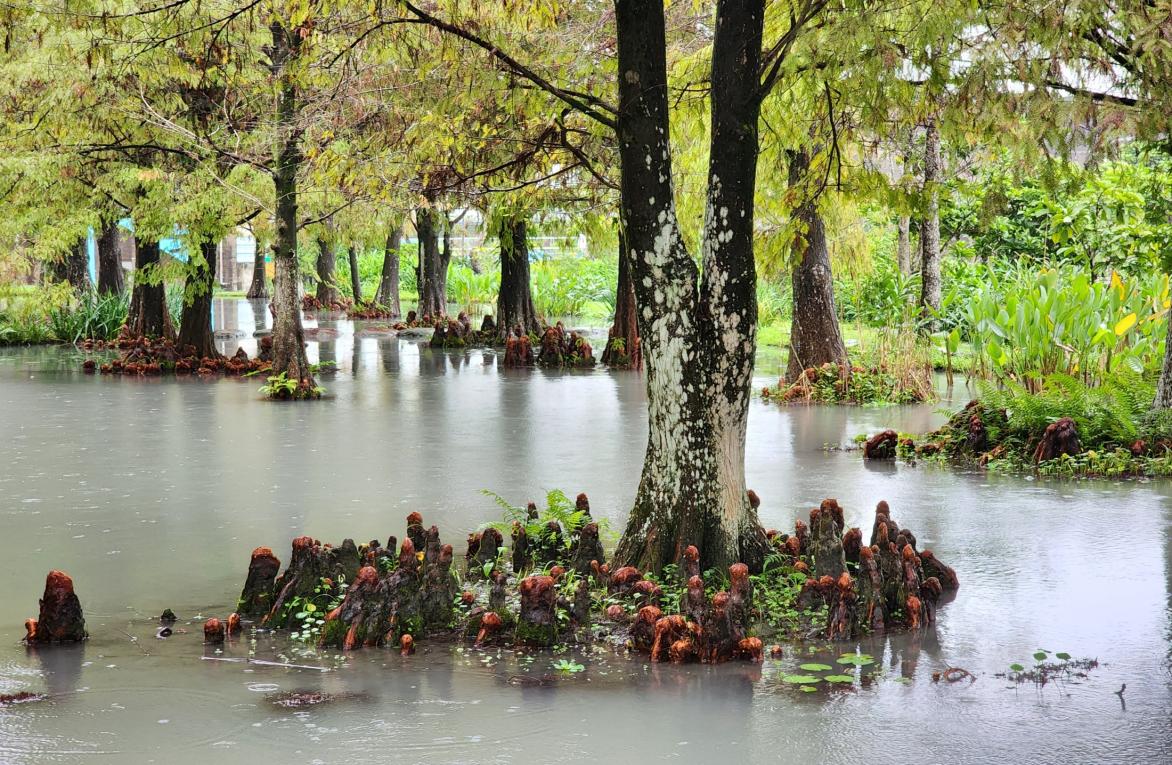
<point>152,493</point>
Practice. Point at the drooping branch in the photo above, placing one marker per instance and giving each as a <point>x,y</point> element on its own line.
<point>591,106</point>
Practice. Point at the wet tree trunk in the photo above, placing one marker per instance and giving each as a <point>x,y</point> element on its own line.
<point>355,277</point>
<point>73,267</point>
<point>148,315</point>
<point>259,288</point>
<point>815,337</point>
<point>514,303</point>
<point>388,286</point>
<point>1164,386</point>
<point>445,259</point>
<point>622,343</point>
<point>432,301</point>
<point>698,337</point>
<point>195,326</point>
<point>903,247</point>
<point>930,230</point>
<point>110,278</point>
<point>327,291</point>
<point>288,338</point>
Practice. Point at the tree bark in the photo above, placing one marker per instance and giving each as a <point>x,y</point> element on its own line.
<point>148,315</point>
<point>1164,385</point>
<point>903,246</point>
<point>388,286</point>
<point>815,337</point>
<point>445,257</point>
<point>73,267</point>
<point>622,343</point>
<point>514,303</point>
<point>259,288</point>
<point>355,278</point>
<point>195,325</point>
<point>111,280</point>
<point>930,231</point>
<point>327,291</point>
<point>698,337</point>
<point>432,300</point>
<point>288,337</point>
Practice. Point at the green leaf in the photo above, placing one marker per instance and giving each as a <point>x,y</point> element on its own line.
<point>815,667</point>
<point>857,659</point>
<point>1063,656</point>
<point>1040,656</point>
<point>1016,667</point>
<point>801,679</point>
<point>809,689</point>
<point>839,678</point>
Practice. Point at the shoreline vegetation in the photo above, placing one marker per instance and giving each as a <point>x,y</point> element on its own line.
<point>1062,428</point>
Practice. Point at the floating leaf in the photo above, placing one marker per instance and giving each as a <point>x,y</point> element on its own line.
<point>814,667</point>
<point>857,659</point>
<point>809,689</point>
<point>801,679</point>
<point>839,678</point>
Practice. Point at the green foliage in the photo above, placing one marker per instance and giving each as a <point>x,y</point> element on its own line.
<point>1108,414</point>
<point>1062,321</point>
<point>472,291</point>
<point>568,666</point>
<point>91,317</point>
<point>57,313</point>
<point>564,287</point>
<point>1113,217</point>
<point>281,386</point>
<point>558,507</point>
<point>307,615</point>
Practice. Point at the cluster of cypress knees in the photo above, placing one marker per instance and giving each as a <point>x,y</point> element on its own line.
<point>552,587</point>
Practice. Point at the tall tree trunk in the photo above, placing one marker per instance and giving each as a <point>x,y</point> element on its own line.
<point>259,288</point>
<point>288,337</point>
<point>432,300</point>
<point>445,258</point>
<point>148,315</point>
<point>903,246</point>
<point>355,278</point>
<point>698,339</point>
<point>930,231</point>
<point>815,337</point>
<point>388,286</point>
<point>514,303</point>
<point>327,290</point>
<point>1164,386</point>
<point>195,325</point>
<point>111,280</point>
<point>73,267</point>
<point>622,343</point>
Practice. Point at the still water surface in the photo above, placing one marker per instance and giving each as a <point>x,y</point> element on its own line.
<point>151,493</point>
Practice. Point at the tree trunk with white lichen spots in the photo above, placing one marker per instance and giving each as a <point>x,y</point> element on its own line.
<point>698,334</point>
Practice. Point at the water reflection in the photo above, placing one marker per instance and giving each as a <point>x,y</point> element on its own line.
<point>152,494</point>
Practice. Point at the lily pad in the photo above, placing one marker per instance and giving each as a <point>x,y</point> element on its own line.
<point>802,679</point>
<point>839,678</point>
<point>856,659</point>
<point>809,689</point>
<point>815,667</point>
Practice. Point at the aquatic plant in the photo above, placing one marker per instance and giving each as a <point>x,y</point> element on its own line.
<point>91,317</point>
<point>307,614</point>
<point>281,386</point>
<point>1061,320</point>
<point>1109,429</point>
